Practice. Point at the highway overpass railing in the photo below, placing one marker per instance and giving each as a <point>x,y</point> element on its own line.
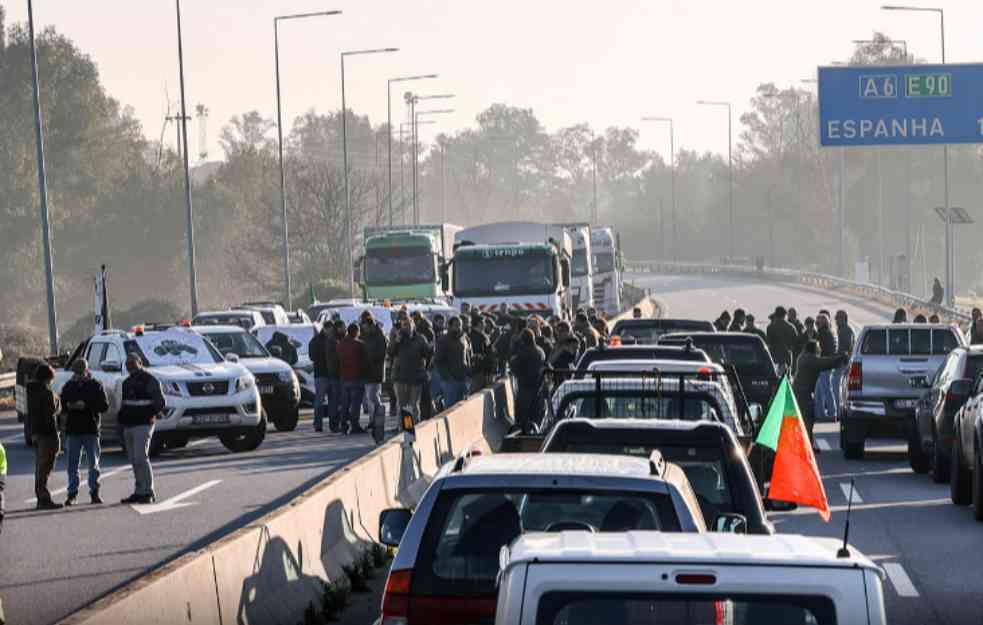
<point>805,278</point>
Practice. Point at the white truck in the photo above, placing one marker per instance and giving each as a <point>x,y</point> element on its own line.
<point>608,266</point>
<point>513,267</point>
<point>404,262</point>
<point>582,266</point>
<point>576,577</point>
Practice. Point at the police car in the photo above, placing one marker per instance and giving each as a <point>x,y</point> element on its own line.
<point>204,394</point>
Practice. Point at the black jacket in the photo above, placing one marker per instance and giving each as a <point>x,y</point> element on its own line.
<point>323,350</point>
<point>375,349</point>
<point>782,340</point>
<point>827,341</point>
<point>411,355</point>
<point>453,359</point>
<point>845,338</point>
<point>288,353</point>
<point>43,407</point>
<point>565,353</point>
<point>527,365</point>
<point>807,370</point>
<point>143,399</point>
<point>89,391</point>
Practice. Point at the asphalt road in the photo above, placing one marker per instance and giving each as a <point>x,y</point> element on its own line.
<point>931,550</point>
<point>52,563</point>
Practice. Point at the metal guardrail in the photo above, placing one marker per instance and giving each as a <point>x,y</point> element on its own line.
<point>7,381</point>
<point>808,278</point>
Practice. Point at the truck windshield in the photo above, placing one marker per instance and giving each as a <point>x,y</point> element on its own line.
<point>604,262</point>
<point>529,273</point>
<point>399,265</point>
<point>579,262</point>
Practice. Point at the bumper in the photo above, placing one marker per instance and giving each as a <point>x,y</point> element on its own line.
<point>280,396</point>
<point>864,419</point>
<point>203,415</point>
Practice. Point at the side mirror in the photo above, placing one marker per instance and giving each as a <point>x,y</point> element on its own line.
<point>962,388</point>
<point>730,523</point>
<point>233,358</point>
<point>111,366</point>
<point>444,278</point>
<point>565,271</point>
<point>392,525</point>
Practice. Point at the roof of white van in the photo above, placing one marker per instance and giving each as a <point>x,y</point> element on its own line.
<point>689,548</point>
<point>559,464</point>
<point>670,366</point>
<point>615,423</point>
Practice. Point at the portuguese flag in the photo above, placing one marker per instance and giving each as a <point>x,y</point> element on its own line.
<point>795,475</point>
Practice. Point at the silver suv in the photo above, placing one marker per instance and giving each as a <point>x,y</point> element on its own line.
<point>891,367</point>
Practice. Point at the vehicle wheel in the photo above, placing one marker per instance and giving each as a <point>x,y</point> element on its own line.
<point>177,441</point>
<point>917,457</point>
<point>960,480</point>
<point>286,421</point>
<point>853,450</point>
<point>940,464</point>
<point>245,441</point>
<point>978,487</point>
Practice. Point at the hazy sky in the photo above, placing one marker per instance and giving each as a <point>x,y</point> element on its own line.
<point>606,63</point>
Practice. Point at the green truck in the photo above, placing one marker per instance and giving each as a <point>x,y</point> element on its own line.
<point>403,262</point>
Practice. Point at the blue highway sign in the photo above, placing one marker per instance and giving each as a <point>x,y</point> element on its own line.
<point>900,105</point>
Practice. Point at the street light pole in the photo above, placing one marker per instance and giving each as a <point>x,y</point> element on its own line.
<point>416,137</point>
<point>349,269</point>
<point>672,177</point>
<point>43,188</point>
<point>412,99</point>
<point>950,260</point>
<point>187,172</point>
<point>402,158</point>
<point>730,164</point>
<point>279,133</point>
<point>389,126</point>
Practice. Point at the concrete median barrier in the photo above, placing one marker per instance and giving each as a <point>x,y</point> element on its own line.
<point>271,570</point>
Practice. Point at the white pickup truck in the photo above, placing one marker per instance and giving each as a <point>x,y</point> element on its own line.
<point>581,578</point>
<point>204,394</point>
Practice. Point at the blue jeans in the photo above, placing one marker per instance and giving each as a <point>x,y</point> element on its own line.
<point>352,405</point>
<point>836,378</point>
<point>74,445</point>
<point>327,401</point>
<point>824,406</point>
<point>320,390</point>
<point>454,391</point>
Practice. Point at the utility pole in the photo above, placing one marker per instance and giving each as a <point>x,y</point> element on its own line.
<point>193,274</point>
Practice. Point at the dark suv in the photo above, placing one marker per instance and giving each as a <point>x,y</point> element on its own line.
<point>951,386</point>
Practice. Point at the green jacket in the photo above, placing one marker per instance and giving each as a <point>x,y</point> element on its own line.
<point>3,460</point>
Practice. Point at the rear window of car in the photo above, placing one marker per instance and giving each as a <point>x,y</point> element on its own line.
<point>908,342</point>
<point>459,552</point>
<point>625,406</point>
<point>651,331</point>
<point>748,357</point>
<point>568,608</point>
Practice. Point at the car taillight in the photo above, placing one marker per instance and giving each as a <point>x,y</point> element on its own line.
<point>856,380</point>
<point>400,608</point>
<point>396,599</point>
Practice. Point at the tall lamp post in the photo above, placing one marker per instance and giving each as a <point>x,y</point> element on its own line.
<point>389,126</point>
<point>672,177</point>
<point>42,188</point>
<point>187,171</point>
<point>730,163</point>
<point>950,261</point>
<point>402,192</point>
<point>279,133</point>
<point>412,99</point>
<point>344,158</point>
<point>416,137</point>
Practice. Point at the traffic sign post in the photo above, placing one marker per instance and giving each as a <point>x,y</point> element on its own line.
<point>900,105</point>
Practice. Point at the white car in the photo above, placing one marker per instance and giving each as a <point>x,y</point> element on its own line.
<point>277,383</point>
<point>665,577</point>
<point>204,395</point>
<point>273,314</point>
<point>300,335</point>
<point>352,314</point>
<point>246,319</point>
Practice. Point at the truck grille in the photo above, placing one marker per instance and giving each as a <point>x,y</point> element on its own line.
<point>191,412</point>
<point>266,379</point>
<point>205,389</point>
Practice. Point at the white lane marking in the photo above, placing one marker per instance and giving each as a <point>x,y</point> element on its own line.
<point>82,475</point>
<point>900,580</point>
<point>845,487</point>
<point>823,444</point>
<point>174,502</point>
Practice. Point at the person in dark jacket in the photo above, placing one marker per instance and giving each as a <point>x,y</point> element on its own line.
<point>410,352</point>
<point>375,374</point>
<point>825,395</point>
<point>453,362</point>
<point>324,357</point>
<point>83,399</point>
<point>976,332</point>
<point>781,338</point>
<point>527,365</point>
<point>586,331</point>
<point>143,401</point>
<point>737,322</point>
<point>845,339</point>
<point>431,393</point>
<point>793,318</point>
<point>483,363</point>
<point>567,349</point>
<point>938,293</point>
<point>722,322</point>
<point>287,351</point>
<point>751,328</point>
<point>808,370</point>
<point>506,341</point>
<point>352,364</point>
<point>43,407</point>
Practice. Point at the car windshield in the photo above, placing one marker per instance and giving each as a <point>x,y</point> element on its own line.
<point>603,262</point>
<point>242,344</point>
<point>748,357</point>
<point>160,349</point>
<point>467,529</point>
<point>497,272</point>
<point>388,266</point>
<point>300,336</point>
<point>567,608</point>
<point>225,319</point>
<point>579,267</point>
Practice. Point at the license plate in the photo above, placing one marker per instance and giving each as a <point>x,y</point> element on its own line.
<point>210,419</point>
<point>266,389</point>
<point>905,404</point>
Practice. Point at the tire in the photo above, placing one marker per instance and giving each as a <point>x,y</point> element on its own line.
<point>940,464</point>
<point>853,450</point>
<point>917,458</point>
<point>286,420</point>
<point>960,479</point>
<point>177,441</point>
<point>978,487</point>
<point>250,440</point>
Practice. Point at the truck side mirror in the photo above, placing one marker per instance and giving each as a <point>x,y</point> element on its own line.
<point>961,388</point>
<point>444,277</point>
<point>565,271</point>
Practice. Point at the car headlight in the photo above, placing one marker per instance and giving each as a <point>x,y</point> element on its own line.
<point>172,389</point>
<point>286,376</point>
<point>244,383</point>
